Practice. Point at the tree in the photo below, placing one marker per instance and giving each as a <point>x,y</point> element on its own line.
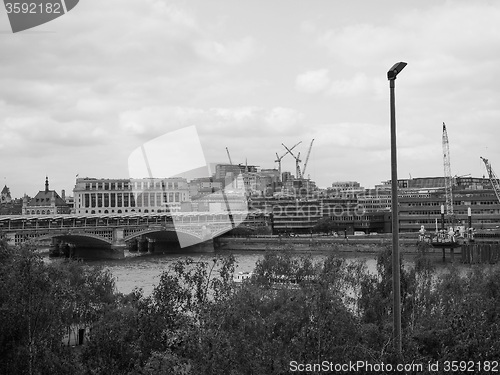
<point>324,225</point>
<point>38,304</point>
<point>32,326</point>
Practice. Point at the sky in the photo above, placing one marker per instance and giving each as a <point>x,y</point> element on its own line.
<point>79,94</point>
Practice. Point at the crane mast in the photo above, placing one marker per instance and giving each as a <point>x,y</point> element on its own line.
<point>297,160</point>
<point>278,158</point>
<point>307,158</point>
<point>448,182</point>
<point>229,156</point>
<point>493,177</point>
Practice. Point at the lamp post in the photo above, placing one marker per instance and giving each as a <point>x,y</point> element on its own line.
<point>396,282</point>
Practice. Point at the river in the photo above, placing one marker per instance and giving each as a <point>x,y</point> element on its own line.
<point>144,270</point>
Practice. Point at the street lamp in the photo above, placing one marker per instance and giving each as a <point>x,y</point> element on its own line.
<point>396,282</point>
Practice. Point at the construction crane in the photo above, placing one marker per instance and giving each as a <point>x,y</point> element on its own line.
<point>278,158</point>
<point>229,156</point>
<point>493,178</point>
<point>307,158</point>
<point>448,180</point>
<point>297,161</point>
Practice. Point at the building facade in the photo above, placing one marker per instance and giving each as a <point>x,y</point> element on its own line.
<point>102,196</point>
<point>45,202</point>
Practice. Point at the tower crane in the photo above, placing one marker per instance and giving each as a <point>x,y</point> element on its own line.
<point>307,158</point>
<point>278,158</point>
<point>448,181</point>
<point>493,178</point>
<point>229,156</point>
<point>297,161</point>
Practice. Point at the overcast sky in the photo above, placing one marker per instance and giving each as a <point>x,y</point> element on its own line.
<point>79,94</point>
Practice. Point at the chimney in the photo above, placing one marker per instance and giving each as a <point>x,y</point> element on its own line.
<point>46,184</point>
<point>63,195</point>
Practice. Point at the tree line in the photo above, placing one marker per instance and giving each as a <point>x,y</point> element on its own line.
<point>198,321</point>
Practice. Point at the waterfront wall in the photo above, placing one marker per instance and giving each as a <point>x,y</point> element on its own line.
<point>351,244</point>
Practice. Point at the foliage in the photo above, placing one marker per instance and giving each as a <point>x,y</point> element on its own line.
<point>38,304</point>
<point>197,321</point>
<point>324,225</point>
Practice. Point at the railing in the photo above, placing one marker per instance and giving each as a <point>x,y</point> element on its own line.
<point>29,222</point>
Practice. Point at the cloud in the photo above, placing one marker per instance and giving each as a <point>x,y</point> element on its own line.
<point>232,52</point>
<point>358,84</point>
<point>234,122</point>
<point>438,42</point>
<point>312,81</point>
<point>28,134</point>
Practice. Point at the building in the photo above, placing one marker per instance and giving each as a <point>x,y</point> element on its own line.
<point>375,200</point>
<point>204,185</point>
<point>218,201</point>
<point>293,216</point>
<point>420,201</point>
<point>9,206</point>
<point>222,170</point>
<point>5,196</point>
<point>96,196</point>
<point>45,202</point>
<point>346,189</point>
<point>423,207</point>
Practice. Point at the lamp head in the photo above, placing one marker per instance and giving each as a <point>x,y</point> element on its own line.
<point>394,71</point>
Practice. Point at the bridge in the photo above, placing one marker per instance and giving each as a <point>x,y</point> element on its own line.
<point>109,235</point>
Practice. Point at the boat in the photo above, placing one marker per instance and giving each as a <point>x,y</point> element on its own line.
<point>442,238</point>
<point>242,276</point>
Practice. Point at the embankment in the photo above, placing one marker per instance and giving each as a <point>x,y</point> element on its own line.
<point>351,244</point>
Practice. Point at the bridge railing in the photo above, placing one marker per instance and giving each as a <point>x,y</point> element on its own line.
<point>32,222</point>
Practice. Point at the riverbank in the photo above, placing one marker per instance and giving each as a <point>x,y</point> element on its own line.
<point>368,244</point>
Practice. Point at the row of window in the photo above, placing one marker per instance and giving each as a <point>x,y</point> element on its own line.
<point>129,199</point>
<point>127,211</point>
<point>456,212</point>
<point>136,185</point>
<point>38,212</point>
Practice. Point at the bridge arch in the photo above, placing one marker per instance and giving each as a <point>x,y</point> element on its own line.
<point>170,234</point>
<point>77,238</point>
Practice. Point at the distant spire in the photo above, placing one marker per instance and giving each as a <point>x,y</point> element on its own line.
<point>46,184</point>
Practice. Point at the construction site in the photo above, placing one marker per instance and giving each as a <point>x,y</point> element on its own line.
<point>448,206</point>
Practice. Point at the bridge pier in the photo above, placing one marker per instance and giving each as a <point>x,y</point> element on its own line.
<point>117,251</point>
<point>132,246</point>
<point>142,245</point>
<point>151,245</point>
